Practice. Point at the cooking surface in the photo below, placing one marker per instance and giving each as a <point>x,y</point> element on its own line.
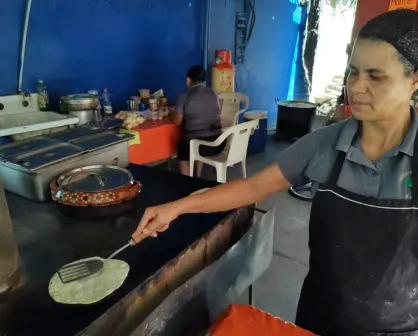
<point>48,240</point>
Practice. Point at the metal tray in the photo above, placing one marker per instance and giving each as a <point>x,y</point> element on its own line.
<point>34,184</point>
<point>101,140</point>
<point>75,133</point>
<point>25,146</point>
<point>44,157</point>
<point>86,130</point>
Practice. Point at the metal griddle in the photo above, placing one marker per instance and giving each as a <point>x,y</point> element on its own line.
<point>157,265</point>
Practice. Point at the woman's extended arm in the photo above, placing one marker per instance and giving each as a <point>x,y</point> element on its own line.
<point>227,196</point>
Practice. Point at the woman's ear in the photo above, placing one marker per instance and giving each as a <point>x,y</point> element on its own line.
<point>415,82</point>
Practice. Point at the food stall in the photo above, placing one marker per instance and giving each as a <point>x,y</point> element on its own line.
<point>73,194</point>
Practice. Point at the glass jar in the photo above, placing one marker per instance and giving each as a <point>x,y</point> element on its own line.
<point>9,255</point>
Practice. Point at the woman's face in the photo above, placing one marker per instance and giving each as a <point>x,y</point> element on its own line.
<point>377,86</point>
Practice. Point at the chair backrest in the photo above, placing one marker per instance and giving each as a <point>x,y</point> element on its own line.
<point>238,137</point>
<point>231,107</point>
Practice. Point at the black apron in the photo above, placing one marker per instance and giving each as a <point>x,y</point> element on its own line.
<point>363,277</point>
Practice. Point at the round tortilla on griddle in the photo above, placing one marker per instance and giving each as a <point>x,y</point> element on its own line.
<point>93,288</point>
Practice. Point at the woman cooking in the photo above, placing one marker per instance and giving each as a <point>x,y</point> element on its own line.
<point>363,276</point>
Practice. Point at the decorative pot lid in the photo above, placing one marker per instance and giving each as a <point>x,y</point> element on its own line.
<point>96,178</point>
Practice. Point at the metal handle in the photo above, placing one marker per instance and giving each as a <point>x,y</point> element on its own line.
<point>100,179</point>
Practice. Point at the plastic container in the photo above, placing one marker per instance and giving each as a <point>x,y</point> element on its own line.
<point>97,113</point>
<point>144,93</point>
<point>9,255</point>
<point>258,140</point>
<point>223,57</point>
<point>43,96</point>
<point>107,104</point>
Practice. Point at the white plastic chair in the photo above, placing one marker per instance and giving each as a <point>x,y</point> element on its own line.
<point>235,150</point>
<point>230,107</point>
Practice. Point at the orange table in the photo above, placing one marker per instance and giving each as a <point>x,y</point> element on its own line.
<point>157,141</point>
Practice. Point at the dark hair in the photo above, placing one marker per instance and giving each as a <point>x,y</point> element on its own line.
<point>408,68</point>
<point>197,74</point>
<point>400,29</point>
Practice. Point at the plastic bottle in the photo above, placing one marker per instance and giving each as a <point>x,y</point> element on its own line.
<point>107,105</point>
<point>43,97</point>
<point>9,256</point>
<point>98,111</point>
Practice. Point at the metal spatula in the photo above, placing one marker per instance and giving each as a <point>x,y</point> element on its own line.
<point>81,269</point>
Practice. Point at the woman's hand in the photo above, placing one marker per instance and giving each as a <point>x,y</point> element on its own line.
<point>156,219</point>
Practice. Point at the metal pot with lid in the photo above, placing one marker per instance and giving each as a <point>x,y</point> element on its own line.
<point>95,187</point>
<point>79,102</point>
<point>294,118</point>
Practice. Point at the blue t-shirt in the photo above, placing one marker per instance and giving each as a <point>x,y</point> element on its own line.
<point>201,112</point>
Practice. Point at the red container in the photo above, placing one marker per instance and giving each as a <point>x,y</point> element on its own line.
<point>243,320</point>
<point>223,57</point>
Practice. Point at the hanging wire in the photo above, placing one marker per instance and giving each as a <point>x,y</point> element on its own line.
<point>349,6</point>
<point>251,4</point>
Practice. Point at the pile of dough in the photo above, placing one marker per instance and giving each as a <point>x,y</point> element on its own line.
<point>90,289</point>
<point>130,119</point>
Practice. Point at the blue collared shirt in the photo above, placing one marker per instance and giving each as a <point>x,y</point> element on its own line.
<point>314,156</point>
<point>201,112</point>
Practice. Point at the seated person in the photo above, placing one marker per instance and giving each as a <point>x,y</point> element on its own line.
<point>198,111</point>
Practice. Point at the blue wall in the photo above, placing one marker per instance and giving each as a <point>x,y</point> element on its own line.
<point>273,66</point>
<point>11,18</point>
<point>89,44</point>
<point>125,45</point>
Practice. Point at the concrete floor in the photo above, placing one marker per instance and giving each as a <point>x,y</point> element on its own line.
<point>277,291</point>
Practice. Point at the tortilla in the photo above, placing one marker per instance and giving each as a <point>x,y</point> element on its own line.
<point>90,289</point>
<point>200,191</point>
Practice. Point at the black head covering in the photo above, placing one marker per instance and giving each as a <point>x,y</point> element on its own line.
<point>399,28</point>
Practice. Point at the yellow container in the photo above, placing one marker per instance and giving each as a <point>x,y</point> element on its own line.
<point>223,78</point>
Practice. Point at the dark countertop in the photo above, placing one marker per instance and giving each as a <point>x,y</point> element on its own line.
<point>48,240</point>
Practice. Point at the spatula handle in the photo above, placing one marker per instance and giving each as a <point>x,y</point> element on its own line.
<point>137,239</point>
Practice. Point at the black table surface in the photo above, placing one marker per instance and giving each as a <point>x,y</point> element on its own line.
<point>47,240</point>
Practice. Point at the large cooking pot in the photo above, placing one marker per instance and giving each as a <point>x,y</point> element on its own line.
<point>79,102</point>
<point>294,118</point>
<point>95,191</point>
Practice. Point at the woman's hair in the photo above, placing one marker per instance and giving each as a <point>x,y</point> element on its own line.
<point>197,74</point>
<point>400,29</point>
